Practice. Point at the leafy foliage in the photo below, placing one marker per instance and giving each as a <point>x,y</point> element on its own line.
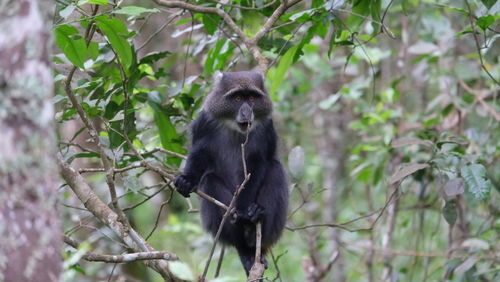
<point>386,109</point>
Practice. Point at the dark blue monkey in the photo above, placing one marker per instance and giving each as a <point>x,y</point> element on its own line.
<point>238,102</point>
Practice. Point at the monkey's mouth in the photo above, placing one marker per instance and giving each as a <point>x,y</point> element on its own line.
<point>244,126</point>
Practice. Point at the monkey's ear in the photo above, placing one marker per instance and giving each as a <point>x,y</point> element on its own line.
<point>217,76</point>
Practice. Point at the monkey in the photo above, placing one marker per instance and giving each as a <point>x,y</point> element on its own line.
<point>238,103</point>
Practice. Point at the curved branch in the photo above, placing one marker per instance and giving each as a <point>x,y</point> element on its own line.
<point>102,212</point>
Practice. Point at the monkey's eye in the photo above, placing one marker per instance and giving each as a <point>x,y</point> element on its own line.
<point>237,98</point>
<point>251,98</point>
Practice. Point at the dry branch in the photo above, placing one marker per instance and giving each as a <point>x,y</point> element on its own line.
<point>258,267</point>
<point>91,256</point>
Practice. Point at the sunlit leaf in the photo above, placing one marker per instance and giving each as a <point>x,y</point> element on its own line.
<point>95,2</point>
<point>281,71</point>
<point>485,21</point>
<point>135,10</point>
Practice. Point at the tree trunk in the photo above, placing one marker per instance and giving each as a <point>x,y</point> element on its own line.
<point>29,226</point>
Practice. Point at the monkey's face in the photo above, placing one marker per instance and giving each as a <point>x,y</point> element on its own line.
<point>239,100</point>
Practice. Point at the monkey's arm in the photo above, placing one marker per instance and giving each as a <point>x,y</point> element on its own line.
<point>199,158</point>
<point>196,164</point>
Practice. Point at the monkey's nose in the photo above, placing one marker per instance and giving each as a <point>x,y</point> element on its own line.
<point>245,114</point>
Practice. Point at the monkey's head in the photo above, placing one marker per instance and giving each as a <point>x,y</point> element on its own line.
<point>239,99</point>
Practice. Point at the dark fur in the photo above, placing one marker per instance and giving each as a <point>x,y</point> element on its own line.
<point>215,167</point>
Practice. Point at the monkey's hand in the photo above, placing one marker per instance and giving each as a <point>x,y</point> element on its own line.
<point>253,213</point>
<point>184,185</point>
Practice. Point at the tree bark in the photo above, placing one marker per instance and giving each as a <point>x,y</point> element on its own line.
<point>29,226</point>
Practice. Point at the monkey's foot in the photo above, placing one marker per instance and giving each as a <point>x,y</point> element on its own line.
<point>254,212</point>
<point>183,185</point>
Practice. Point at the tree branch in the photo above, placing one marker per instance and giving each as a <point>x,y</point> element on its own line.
<point>90,256</point>
<point>258,267</point>
<point>102,212</point>
<point>250,42</point>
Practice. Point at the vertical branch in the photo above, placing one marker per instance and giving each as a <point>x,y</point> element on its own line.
<point>387,237</point>
<point>370,253</point>
<point>258,267</point>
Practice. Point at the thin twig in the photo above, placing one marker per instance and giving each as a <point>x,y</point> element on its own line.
<point>478,47</point>
<point>221,258</point>
<point>480,98</point>
<point>245,7</point>
<point>147,199</point>
<point>157,31</point>
<point>343,225</point>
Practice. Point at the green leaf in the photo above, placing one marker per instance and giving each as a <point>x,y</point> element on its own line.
<point>450,213</point>
<point>95,2</point>
<point>375,6</point>
<point>489,3</point>
<point>404,6</point>
<point>360,11</point>
<point>210,22</point>
<point>93,50</point>
<point>281,70</point>
<point>87,155</point>
<point>74,48</point>
<point>217,57</point>
<point>135,10</point>
<point>168,135</point>
<point>476,181</point>
<point>153,57</point>
<point>485,21</point>
<point>116,32</point>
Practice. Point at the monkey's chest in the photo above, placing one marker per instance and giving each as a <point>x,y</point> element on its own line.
<point>229,166</point>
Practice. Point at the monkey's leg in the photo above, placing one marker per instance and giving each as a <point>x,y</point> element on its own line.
<point>211,214</point>
<point>273,197</point>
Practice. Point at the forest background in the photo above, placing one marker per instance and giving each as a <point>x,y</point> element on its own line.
<point>387,111</point>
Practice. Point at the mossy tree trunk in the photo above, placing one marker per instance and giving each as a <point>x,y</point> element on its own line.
<point>29,224</point>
